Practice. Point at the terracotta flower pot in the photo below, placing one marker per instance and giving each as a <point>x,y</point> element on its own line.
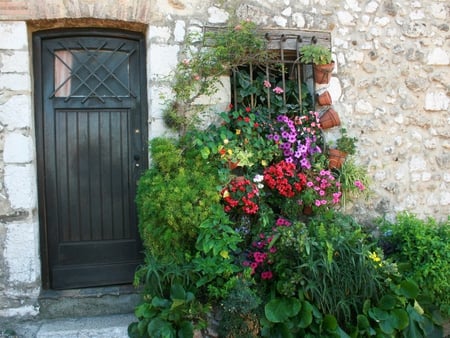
<point>233,165</point>
<point>324,99</point>
<point>329,119</point>
<point>322,73</point>
<point>336,158</point>
<point>307,210</point>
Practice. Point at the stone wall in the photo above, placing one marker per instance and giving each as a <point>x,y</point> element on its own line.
<point>391,89</point>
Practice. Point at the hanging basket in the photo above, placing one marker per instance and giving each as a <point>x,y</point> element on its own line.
<point>322,73</point>
<point>336,158</point>
<point>329,119</point>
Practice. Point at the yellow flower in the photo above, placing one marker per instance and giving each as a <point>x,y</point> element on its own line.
<point>226,141</point>
<point>238,131</point>
<point>373,256</point>
<point>226,193</point>
<point>230,151</point>
<point>224,254</point>
<point>264,163</point>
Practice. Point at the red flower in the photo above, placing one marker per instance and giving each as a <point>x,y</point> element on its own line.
<point>248,109</point>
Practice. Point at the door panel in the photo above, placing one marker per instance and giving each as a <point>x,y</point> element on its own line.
<point>91,125</point>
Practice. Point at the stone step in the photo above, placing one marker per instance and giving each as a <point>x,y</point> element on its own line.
<point>88,302</point>
<point>112,326</point>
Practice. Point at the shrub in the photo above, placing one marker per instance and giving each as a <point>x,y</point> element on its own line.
<point>422,250</point>
<point>173,199</point>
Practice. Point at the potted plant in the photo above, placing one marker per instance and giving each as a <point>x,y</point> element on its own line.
<point>354,180</point>
<point>345,145</point>
<point>320,57</point>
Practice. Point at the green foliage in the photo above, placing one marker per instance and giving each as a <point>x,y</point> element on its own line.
<point>317,54</point>
<point>350,173</point>
<point>168,317</point>
<point>346,143</point>
<point>422,250</point>
<point>331,250</point>
<point>240,312</point>
<point>206,59</point>
<point>173,199</point>
<point>397,314</point>
<point>217,243</point>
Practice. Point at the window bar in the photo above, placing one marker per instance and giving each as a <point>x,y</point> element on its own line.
<point>283,76</point>
<point>252,96</point>
<point>234,89</point>
<point>268,88</point>
<point>298,66</point>
<point>267,36</point>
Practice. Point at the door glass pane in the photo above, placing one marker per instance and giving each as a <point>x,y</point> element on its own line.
<point>91,73</point>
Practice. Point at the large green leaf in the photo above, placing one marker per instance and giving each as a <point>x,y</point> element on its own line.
<point>280,309</point>
<point>306,315</point>
<point>401,318</point>
<point>186,330</point>
<point>363,322</point>
<point>160,302</point>
<point>177,291</point>
<point>387,302</point>
<point>409,289</point>
<point>378,314</point>
<point>159,328</point>
<point>330,323</point>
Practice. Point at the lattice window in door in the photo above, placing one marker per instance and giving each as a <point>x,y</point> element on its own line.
<point>87,72</point>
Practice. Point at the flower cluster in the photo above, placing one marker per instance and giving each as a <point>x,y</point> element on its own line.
<point>242,138</point>
<point>322,189</point>
<point>298,138</point>
<point>241,195</point>
<point>259,259</point>
<point>284,178</point>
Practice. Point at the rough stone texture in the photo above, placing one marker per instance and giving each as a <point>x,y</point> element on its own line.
<point>391,89</point>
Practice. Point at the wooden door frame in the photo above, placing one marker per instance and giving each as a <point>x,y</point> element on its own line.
<point>37,40</point>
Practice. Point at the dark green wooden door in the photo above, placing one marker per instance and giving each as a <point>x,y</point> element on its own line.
<point>91,132</point>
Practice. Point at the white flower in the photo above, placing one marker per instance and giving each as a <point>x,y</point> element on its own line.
<point>258,178</point>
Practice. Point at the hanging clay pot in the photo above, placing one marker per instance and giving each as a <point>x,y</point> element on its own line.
<point>322,73</point>
<point>324,99</point>
<point>336,158</point>
<point>329,119</point>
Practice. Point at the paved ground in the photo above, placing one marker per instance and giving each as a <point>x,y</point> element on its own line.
<point>111,326</point>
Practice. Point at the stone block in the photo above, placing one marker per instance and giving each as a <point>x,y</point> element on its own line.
<point>18,148</point>
<point>163,59</point>
<point>13,35</point>
<point>20,185</point>
<point>179,31</point>
<point>439,57</point>
<point>217,15</point>
<point>14,81</point>
<point>15,112</point>
<point>15,62</point>
<point>21,252</point>
<point>159,34</point>
<point>436,101</point>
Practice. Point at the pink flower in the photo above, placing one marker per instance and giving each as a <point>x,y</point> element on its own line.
<point>317,203</point>
<point>278,90</point>
<point>360,185</point>
<point>267,275</point>
<point>267,84</point>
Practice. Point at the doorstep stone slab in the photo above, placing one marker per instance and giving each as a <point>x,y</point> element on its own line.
<point>112,326</point>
